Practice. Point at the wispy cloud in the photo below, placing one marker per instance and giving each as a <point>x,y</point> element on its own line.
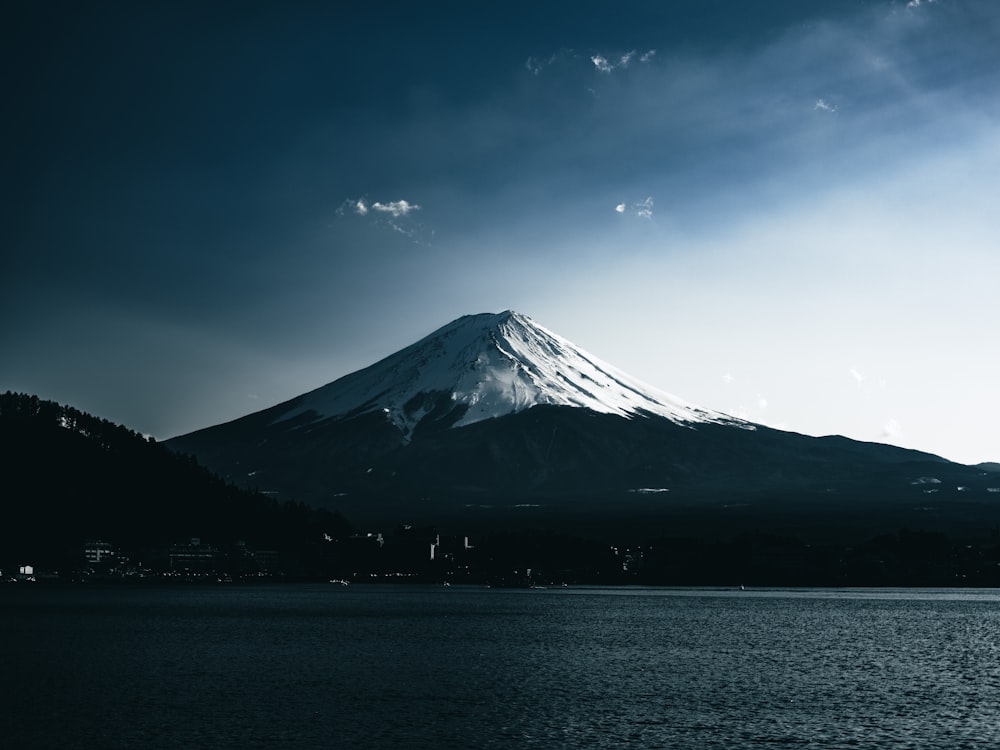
<point>394,214</point>
<point>643,209</point>
<point>362,207</point>
<point>601,63</point>
<point>535,65</point>
<point>396,208</point>
<point>606,65</point>
<point>822,105</point>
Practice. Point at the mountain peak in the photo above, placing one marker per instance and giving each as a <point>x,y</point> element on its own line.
<point>487,320</point>
<point>379,444</point>
<point>484,366</point>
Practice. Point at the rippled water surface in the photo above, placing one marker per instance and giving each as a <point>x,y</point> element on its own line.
<point>380,666</point>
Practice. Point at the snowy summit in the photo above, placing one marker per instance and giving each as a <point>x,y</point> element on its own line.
<point>490,365</point>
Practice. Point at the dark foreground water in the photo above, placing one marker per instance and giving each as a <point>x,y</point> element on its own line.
<point>369,667</point>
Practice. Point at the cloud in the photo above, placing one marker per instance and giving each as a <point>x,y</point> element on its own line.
<point>604,65</point>
<point>361,207</point>
<point>394,214</point>
<point>918,3</point>
<point>822,105</point>
<point>357,206</point>
<point>644,208</point>
<point>535,66</point>
<point>395,208</point>
<point>857,376</point>
<point>601,63</point>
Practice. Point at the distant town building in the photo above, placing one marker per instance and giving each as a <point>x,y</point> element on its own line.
<point>97,552</point>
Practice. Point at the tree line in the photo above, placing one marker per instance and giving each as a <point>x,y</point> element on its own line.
<point>70,476</point>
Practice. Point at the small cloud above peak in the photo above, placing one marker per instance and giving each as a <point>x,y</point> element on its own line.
<point>535,65</point>
<point>394,214</point>
<point>601,63</point>
<point>396,208</point>
<point>606,65</point>
<point>643,209</point>
<point>362,207</point>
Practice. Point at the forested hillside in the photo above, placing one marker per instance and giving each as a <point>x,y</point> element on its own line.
<point>68,476</point>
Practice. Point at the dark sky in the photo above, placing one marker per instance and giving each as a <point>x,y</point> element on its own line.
<point>782,210</point>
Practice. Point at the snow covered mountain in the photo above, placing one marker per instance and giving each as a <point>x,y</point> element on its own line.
<point>490,365</point>
<point>493,420</point>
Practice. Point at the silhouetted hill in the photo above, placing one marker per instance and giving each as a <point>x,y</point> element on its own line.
<point>69,476</point>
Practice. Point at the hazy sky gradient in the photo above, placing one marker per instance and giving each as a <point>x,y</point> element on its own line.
<point>782,210</point>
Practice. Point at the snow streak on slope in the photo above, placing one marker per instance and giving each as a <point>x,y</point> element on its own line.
<point>490,365</point>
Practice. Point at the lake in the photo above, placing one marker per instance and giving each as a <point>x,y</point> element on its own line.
<point>329,666</point>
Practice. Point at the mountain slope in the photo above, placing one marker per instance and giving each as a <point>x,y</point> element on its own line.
<point>493,419</point>
<point>482,367</point>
